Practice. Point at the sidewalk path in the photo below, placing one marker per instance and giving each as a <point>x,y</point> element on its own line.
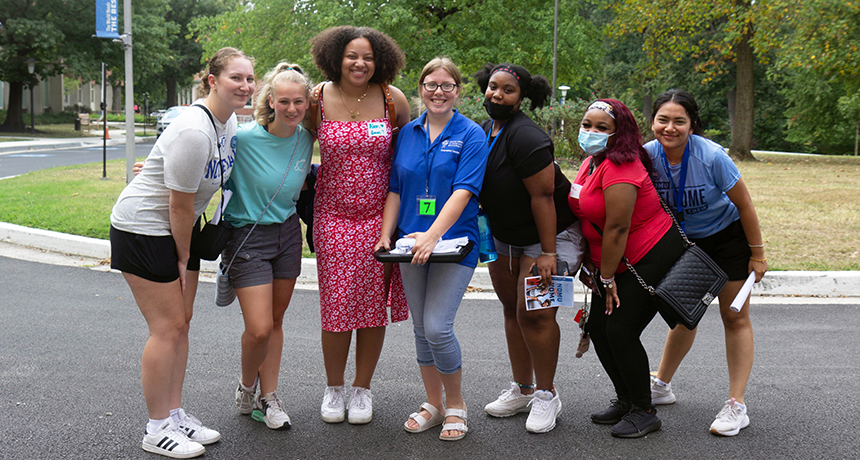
<point>33,144</point>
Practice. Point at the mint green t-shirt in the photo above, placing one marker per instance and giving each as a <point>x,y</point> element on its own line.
<point>261,161</point>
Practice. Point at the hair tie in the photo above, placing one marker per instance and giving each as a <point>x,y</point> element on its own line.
<point>296,69</point>
<point>603,106</point>
<point>507,70</point>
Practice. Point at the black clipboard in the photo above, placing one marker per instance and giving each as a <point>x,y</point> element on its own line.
<point>384,256</point>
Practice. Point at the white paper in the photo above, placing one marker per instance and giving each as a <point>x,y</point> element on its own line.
<point>225,198</point>
<point>560,294</point>
<point>738,303</point>
<point>452,246</point>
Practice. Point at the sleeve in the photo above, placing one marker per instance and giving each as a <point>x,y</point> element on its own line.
<point>726,173</point>
<point>626,173</point>
<point>185,160</point>
<point>394,180</point>
<point>473,162</point>
<point>529,150</point>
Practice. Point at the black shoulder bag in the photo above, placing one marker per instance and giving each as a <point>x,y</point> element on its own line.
<point>212,239</point>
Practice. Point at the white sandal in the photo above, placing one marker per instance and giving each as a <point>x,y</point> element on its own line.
<point>436,419</point>
<point>461,427</point>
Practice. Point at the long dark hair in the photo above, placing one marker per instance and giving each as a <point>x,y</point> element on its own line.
<point>534,87</point>
<point>628,139</point>
<point>685,100</point>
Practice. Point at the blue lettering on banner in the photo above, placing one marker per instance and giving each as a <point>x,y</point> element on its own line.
<point>107,24</point>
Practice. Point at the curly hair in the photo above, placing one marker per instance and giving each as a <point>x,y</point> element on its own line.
<point>282,73</point>
<point>628,139</point>
<point>217,63</point>
<point>534,87</point>
<point>327,49</point>
<point>685,100</point>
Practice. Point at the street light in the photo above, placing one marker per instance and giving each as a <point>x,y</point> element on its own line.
<point>31,67</point>
<point>563,89</point>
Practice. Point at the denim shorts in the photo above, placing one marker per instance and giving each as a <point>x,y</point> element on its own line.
<point>271,252</point>
<point>569,245</point>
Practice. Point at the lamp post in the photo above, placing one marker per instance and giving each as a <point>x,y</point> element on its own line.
<point>31,68</point>
<point>563,89</point>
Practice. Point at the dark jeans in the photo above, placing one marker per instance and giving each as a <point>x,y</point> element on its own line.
<point>616,337</point>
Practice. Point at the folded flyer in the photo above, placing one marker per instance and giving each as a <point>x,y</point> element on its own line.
<point>559,294</point>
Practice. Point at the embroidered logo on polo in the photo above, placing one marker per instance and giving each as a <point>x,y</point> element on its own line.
<point>452,146</point>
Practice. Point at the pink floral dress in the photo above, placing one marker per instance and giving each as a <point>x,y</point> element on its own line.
<point>351,187</point>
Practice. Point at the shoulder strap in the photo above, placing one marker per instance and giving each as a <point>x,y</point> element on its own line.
<point>315,106</point>
<point>392,113</point>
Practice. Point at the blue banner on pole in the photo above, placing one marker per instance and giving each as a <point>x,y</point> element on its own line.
<point>107,25</point>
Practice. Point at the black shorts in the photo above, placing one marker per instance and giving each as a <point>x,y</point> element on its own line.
<point>149,257</point>
<point>730,250</point>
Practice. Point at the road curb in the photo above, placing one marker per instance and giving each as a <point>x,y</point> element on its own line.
<point>786,283</point>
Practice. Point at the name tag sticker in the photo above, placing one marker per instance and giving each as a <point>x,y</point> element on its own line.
<point>575,189</point>
<point>376,128</point>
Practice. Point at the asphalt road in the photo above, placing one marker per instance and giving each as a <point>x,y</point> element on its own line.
<point>15,164</point>
<point>70,383</point>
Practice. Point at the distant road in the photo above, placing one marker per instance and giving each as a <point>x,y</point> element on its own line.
<point>15,164</point>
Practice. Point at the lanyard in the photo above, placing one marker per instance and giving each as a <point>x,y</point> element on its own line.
<point>678,193</point>
<point>498,135</point>
<point>427,160</point>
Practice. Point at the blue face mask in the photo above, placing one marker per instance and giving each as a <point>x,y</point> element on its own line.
<point>593,143</point>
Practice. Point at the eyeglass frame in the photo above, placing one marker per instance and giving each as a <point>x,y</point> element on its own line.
<point>438,86</point>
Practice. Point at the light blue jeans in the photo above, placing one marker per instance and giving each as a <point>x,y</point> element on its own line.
<point>434,292</point>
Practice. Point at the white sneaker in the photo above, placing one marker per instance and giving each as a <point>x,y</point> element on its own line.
<point>270,410</point>
<point>545,408</point>
<point>245,399</point>
<point>332,409</point>
<point>661,394</point>
<point>731,419</point>
<point>169,440</point>
<point>360,406</point>
<point>196,432</point>
<point>510,402</point>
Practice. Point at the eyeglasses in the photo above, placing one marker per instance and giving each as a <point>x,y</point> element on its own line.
<point>446,87</point>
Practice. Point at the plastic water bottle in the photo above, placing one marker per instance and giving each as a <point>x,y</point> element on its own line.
<point>486,245</point>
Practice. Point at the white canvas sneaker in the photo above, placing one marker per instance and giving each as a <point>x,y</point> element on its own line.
<point>360,406</point>
<point>333,405</point>
<point>510,402</point>
<point>544,409</point>
<point>169,440</point>
<point>196,432</point>
<point>731,419</point>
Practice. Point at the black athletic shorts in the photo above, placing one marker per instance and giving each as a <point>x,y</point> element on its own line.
<point>149,257</point>
<point>730,250</point>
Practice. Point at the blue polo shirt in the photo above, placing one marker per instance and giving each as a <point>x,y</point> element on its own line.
<point>710,174</point>
<point>455,160</point>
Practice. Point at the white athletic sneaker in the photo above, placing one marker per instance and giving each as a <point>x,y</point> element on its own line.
<point>731,419</point>
<point>545,408</point>
<point>245,399</point>
<point>661,394</point>
<point>510,402</point>
<point>196,432</point>
<point>169,440</point>
<point>333,404</point>
<point>270,410</point>
<point>360,406</point>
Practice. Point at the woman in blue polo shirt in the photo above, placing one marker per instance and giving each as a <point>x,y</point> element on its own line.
<point>435,180</point>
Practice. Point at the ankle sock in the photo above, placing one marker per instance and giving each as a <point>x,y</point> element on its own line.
<point>660,382</point>
<point>153,425</point>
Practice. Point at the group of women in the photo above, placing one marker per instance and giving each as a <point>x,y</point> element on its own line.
<point>383,178</point>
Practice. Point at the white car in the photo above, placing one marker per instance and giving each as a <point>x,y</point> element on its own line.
<point>167,117</point>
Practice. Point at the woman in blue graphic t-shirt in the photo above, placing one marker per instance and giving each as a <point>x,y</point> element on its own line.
<point>696,177</point>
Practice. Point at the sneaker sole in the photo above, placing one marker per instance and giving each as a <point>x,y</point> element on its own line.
<point>207,441</point>
<point>359,421</point>
<point>649,429</point>
<point>663,400</point>
<point>606,422</point>
<point>745,423</point>
<point>333,418</point>
<point>492,412</point>
<point>545,429</point>
<point>167,453</point>
<point>258,416</point>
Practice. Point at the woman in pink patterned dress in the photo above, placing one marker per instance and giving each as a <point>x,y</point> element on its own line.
<point>355,137</point>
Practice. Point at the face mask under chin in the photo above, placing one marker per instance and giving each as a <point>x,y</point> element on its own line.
<point>498,111</point>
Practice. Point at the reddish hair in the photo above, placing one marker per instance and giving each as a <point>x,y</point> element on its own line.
<point>628,140</point>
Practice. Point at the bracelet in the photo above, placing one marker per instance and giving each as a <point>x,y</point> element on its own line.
<point>551,254</point>
<point>526,387</point>
<point>607,283</point>
<point>756,245</point>
<point>758,260</point>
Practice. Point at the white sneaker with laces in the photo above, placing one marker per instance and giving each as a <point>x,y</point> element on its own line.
<point>510,402</point>
<point>270,410</point>
<point>544,409</point>
<point>731,419</point>
<point>661,394</point>
<point>170,440</point>
<point>196,432</point>
<point>245,399</point>
<point>333,405</point>
<point>360,406</point>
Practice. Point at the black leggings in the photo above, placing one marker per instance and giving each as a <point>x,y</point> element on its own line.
<point>616,336</point>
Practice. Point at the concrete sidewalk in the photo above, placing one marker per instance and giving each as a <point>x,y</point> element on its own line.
<point>802,284</point>
<point>39,144</point>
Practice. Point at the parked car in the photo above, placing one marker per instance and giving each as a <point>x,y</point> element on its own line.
<point>167,117</point>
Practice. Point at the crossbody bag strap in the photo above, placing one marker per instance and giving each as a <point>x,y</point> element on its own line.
<point>315,107</point>
<point>392,113</point>
<point>218,146</point>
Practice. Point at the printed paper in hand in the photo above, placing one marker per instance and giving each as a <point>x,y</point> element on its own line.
<point>560,294</point>
<point>738,303</point>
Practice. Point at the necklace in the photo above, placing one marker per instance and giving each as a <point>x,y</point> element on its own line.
<point>351,113</point>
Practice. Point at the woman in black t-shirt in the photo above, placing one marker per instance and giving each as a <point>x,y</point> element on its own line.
<point>525,197</point>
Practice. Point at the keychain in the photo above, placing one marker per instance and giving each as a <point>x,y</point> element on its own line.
<point>582,319</point>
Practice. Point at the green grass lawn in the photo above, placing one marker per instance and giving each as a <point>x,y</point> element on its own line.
<point>808,205</point>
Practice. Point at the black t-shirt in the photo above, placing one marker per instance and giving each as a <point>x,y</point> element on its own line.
<point>522,150</point>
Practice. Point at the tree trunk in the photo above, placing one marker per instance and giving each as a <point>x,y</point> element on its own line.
<point>646,106</point>
<point>117,98</point>
<point>170,83</point>
<point>15,114</point>
<point>730,103</point>
<point>742,128</point>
